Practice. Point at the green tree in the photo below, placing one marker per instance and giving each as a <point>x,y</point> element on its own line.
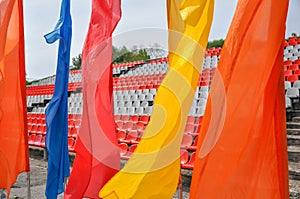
<point>215,43</point>
<point>76,62</point>
<point>123,55</point>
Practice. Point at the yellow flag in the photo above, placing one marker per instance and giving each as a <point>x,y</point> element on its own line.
<point>154,168</point>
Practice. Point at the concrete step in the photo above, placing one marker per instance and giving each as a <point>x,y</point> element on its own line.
<point>294,189</point>
<point>294,153</point>
<point>293,131</point>
<point>291,114</point>
<point>293,125</point>
<point>294,171</point>
<point>293,140</point>
<point>296,119</point>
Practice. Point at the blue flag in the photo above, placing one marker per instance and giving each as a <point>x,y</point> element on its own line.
<point>57,111</point>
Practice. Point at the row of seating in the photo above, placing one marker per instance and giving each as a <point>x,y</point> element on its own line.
<point>187,159</point>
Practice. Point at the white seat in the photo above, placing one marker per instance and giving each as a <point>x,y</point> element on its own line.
<point>204,95</point>
<point>200,111</point>
<point>134,97</point>
<point>128,104</point>
<point>136,104</point>
<point>153,91</point>
<point>149,97</point>
<point>292,92</point>
<point>126,97</point>
<point>139,110</point>
<point>204,88</point>
<point>287,84</point>
<point>148,110</point>
<point>141,97</point>
<point>288,102</point>
<point>295,85</point>
<point>202,102</point>
<point>131,111</point>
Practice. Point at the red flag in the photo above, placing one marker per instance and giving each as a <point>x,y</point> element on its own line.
<point>13,124</point>
<point>242,149</point>
<point>97,155</point>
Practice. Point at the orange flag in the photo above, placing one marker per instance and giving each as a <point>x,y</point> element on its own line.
<point>13,125</point>
<point>242,149</point>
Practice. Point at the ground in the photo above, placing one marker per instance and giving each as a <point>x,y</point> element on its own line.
<point>38,179</point>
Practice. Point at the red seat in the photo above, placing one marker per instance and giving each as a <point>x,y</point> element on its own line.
<point>71,143</point>
<point>292,78</point>
<point>42,130</point>
<point>117,117</point>
<point>294,67</point>
<point>31,139</point>
<point>34,128</point>
<point>297,62</point>
<point>194,145</point>
<point>125,118</point>
<point>288,62</point>
<point>187,141</point>
<point>71,123</point>
<point>71,117</point>
<point>184,156</point>
<point>144,119</point>
<point>119,124</point>
<point>288,73</point>
<point>189,128</point>
<point>121,135</point>
<point>190,163</point>
<point>132,137</point>
<point>130,151</point>
<point>77,123</point>
<point>190,120</point>
<point>297,72</point>
<point>38,140</point>
<point>135,118</point>
<point>128,125</point>
<point>123,148</point>
<point>199,120</point>
<point>73,132</point>
<point>43,144</point>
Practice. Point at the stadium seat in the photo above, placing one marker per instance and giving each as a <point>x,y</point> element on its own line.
<point>121,135</point>
<point>128,154</point>
<point>31,139</point>
<point>292,78</point>
<point>184,156</point>
<point>123,148</point>
<point>71,144</point>
<point>288,102</point>
<point>194,145</point>
<point>38,140</point>
<point>292,92</point>
<point>187,141</point>
<point>132,136</point>
<point>287,85</point>
<point>190,163</point>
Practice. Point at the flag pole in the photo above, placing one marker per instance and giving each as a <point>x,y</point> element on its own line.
<point>28,186</point>
<point>179,187</point>
<point>2,193</point>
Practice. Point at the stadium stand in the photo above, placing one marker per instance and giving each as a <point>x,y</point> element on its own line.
<point>134,89</point>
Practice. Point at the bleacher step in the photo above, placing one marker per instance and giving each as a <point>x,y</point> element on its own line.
<point>293,131</point>
<point>293,140</point>
<point>291,114</point>
<point>294,189</point>
<point>294,171</point>
<point>294,153</point>
<point>296,119</point>
<point>293,125</point>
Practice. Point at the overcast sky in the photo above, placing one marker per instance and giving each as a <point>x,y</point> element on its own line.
<point>143,23</point>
